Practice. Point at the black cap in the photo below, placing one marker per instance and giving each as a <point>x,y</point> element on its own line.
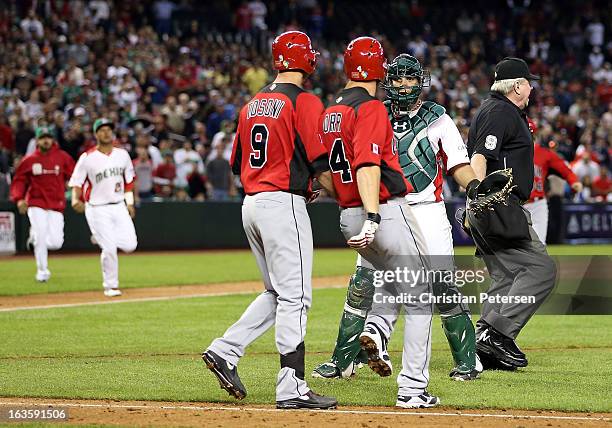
<point>513,68</point>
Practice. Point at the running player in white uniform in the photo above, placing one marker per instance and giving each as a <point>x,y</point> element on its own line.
<point>109,175</point>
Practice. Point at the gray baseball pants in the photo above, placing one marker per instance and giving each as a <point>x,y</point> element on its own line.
<point>398,243</point>
<point>278,229</point>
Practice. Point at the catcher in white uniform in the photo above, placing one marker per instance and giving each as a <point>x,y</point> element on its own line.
<point>107,174</point>
<point>428,143</point>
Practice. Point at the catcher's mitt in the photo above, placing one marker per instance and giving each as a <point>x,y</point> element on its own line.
<point>495,213</point>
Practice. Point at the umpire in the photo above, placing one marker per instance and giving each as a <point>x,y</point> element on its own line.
<point>517,261</point>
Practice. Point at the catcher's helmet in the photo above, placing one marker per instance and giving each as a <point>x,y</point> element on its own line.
<point>292,50</point>
<point>404,97</point>
<point>364,60</point>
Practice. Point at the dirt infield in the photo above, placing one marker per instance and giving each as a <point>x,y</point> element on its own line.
<point>139,413</point>
<point>153,293</point>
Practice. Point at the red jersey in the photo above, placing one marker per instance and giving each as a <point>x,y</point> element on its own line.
<point>545,159</point>
<point>41,178</point>
<point>276,146</point>
<point>356,132</point>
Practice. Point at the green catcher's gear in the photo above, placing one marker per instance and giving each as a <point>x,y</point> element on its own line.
<point>415,153</point>
<point>444,286</point>
<point>461,337</point>
<point>404,97</point>
<point>346,354</point>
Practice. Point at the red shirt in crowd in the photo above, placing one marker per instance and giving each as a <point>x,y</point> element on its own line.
<point>544,160</point>
<point>165,171</point>
<point>602,185</point>
<point>7,138</point>
<point>356,132</point>
<point>41,178</point>
<point>276,147</point>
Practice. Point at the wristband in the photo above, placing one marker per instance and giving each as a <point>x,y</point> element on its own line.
<point>129,198</point>
<point>375,217</point>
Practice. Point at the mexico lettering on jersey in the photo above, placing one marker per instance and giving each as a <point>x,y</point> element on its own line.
<point>106,177</point>
<point>276,146</point>
<point>544,160</point>
<point>435,149</point>
<point>356,132</point>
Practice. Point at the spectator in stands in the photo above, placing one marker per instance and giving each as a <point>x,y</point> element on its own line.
<point>163,10</point>
<point>143,167</point>
<point>220,174</point>
<point>225,135</point>
<point>164,176</point>
<point>585,167</point>
<point>601,189</point>
<point>196,183</point>
<point>7,136</point>
<point>183,159</point>
<point>255,77</point>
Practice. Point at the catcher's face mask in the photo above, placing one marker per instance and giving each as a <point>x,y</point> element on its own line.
<point>404,82</point>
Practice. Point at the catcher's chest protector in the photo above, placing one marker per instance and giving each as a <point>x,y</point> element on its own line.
<point>417,157</point>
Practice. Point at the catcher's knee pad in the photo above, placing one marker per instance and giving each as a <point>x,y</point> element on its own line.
<point>445,289</point>
<point>361,290</point>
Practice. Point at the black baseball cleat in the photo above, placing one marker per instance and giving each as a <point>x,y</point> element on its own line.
<point>311,400</point>
<point>491,363</point>
<point>226,374</point>
<point>500,347</point>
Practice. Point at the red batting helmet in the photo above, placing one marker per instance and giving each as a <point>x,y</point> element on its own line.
<point>293,51</point>
<point>533,128</point>
<point>364,59</point>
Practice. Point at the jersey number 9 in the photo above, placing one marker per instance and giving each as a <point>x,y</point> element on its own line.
<point>259,146</point>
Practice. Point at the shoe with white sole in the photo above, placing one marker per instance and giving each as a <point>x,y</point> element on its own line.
<point>421,401</point>
<point>112,292</point>
<point>43,275</point>
<point>375,344</point>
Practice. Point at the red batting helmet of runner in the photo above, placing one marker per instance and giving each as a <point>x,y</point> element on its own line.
<point>293,51</point>
<point>364,60</point>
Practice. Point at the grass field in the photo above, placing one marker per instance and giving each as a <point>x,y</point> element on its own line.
<point>150,350</point>
<point>80,273</point>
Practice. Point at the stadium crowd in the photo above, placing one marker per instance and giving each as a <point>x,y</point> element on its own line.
<point>174,75</point>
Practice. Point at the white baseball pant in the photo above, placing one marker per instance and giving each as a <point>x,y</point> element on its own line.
<point>47,231</point>
<point>112,227</point>
<point>539,217</point>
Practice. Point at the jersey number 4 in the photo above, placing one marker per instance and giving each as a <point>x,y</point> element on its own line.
<point>259,146</point>
<point>338,162</point>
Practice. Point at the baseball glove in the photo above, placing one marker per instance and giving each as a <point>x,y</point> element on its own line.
<point>495,213</point>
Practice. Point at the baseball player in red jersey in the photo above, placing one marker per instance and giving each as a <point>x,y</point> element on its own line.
<point>38,189</point>
<point>545,160</point>
<point>109,174</point>
<point>377,220</point>
<point>277,152</point>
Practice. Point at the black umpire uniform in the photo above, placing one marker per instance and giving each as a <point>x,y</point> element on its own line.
<point>517,263</point>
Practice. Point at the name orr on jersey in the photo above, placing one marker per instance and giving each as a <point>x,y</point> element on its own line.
<point>265,107</point>
<point>110,172</point>
<point>331,122</point>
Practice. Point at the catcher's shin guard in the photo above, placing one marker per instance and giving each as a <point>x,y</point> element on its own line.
<point>358,303</point>
<point>461,337</point>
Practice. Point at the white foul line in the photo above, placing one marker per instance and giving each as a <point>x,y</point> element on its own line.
<point>140,299</point>
<point>353,412</point>
<point>110,302</point>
